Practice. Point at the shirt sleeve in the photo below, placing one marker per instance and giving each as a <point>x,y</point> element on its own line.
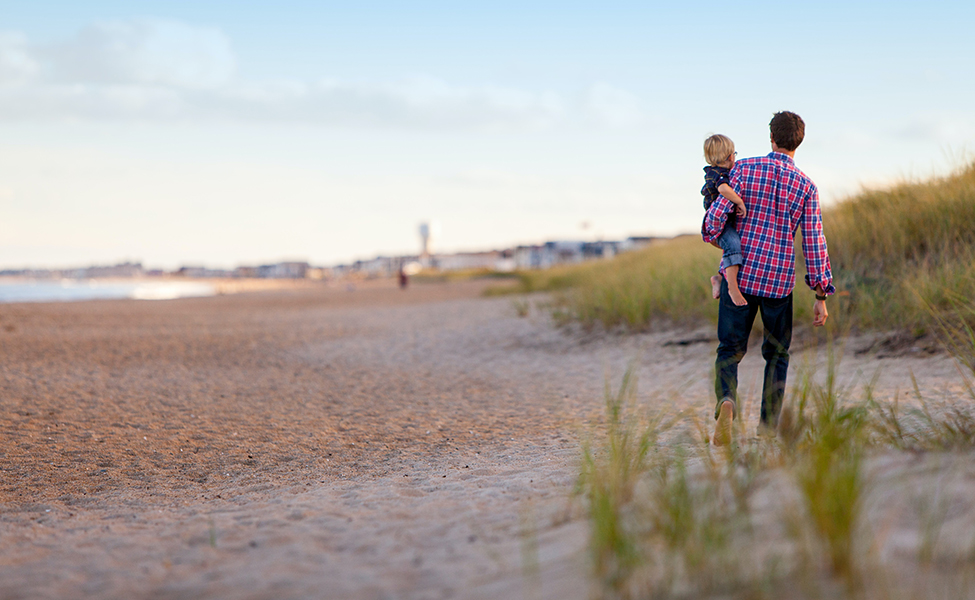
<point>818,272</point>
<point>715,219</point>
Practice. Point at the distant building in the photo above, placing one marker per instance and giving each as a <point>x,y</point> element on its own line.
<point>283,270</point>
<point>185,271</point>
<point>536,256</point>
<point>636,242</point>
<point>600,249</point>
<point>381,266</point>
<point>122,270</point>
<point>463,261</point>
<point>245,272</point>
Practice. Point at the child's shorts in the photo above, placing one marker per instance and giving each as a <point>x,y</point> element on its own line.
<point>730,242</point>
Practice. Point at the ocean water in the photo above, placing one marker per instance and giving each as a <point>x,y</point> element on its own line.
<point>71,290</point>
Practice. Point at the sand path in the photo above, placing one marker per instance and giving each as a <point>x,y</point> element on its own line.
<point>319,443</point>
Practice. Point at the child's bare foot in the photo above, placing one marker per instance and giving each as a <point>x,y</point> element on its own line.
<point>731,274</point>
<point>736,297</point>
<point>715,286</point>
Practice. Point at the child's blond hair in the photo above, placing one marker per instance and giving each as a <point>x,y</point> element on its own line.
<point>717,149</point>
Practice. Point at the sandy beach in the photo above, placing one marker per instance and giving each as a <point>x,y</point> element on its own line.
<point>326,442</point>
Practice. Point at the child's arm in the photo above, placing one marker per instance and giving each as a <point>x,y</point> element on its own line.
<point>725,190</point>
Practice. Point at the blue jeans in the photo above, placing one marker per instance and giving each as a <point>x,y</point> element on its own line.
<point>730,242</point>
<point>734,326</point>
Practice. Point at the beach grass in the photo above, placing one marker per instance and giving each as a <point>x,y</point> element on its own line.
<point>437,276</point>
<point>800,514</point>
<point>607,479</point>
<point>632,290</point>
<point>906,250</point>
<point>902,258</point>
<point>827,459</point>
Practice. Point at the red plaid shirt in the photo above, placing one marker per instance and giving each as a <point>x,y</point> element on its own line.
<point>779,198</point>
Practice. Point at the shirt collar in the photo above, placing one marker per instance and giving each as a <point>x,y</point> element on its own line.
<point>781,157</point>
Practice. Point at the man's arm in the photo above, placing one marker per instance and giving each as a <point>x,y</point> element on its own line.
<point>818,274</point>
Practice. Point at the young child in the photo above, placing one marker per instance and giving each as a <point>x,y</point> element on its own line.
<point>720,153</point>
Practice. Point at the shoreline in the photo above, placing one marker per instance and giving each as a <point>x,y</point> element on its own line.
<point>42,290</point>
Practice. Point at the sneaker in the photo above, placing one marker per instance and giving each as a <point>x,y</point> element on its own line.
<point>722,427</point>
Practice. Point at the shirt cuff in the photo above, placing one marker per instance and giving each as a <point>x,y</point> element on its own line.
<point>715,219</point>
<point>825,283</point>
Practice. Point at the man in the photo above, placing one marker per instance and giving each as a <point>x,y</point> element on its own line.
<point>780,199</point>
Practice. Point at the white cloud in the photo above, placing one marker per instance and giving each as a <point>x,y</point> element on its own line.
<point>16,62</point>
<point>430,100</point>
<point>940,128</point>
<point>612,106</point>
<point>144,51</point>
<point>422,102</point>
<point>416,103</point>
<point>156,69</point>
<point>81,101</point>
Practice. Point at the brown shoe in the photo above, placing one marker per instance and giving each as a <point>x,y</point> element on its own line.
<point>722,427</point>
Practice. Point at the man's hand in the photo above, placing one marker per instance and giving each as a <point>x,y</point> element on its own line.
<point>820,314</point>
<point>740,209</point>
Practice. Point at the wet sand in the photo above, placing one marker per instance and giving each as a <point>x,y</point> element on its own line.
<point>321,442</point>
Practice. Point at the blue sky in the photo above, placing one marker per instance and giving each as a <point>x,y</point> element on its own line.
<point>226,133</point>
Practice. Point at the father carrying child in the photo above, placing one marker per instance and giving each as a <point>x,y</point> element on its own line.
<point>780,200</point>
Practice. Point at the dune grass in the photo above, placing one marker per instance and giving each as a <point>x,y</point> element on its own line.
<point>633,290</point>
<point>788,515</point>
<point>902,258</point>
<point>435,276</point>
<point>906,250</point>
<point>673,517</point>
<point>827,464</point>
<point>608,476</point>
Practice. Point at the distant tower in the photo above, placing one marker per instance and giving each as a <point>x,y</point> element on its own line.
<point>428,232</point>
<point>424,240</point>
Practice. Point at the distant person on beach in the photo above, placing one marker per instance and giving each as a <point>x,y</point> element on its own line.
<point>720,153</point>
<point>780,199</point>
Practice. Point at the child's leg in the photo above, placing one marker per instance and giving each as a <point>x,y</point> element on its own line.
<point>731,274</point>
<point>730,242</point>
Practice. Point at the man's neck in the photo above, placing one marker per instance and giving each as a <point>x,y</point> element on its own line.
<point>790,153</point>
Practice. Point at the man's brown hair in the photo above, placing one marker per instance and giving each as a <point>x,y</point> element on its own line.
<point>787,129</point>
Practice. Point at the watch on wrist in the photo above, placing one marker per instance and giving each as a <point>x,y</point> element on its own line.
<point>818,297</point>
